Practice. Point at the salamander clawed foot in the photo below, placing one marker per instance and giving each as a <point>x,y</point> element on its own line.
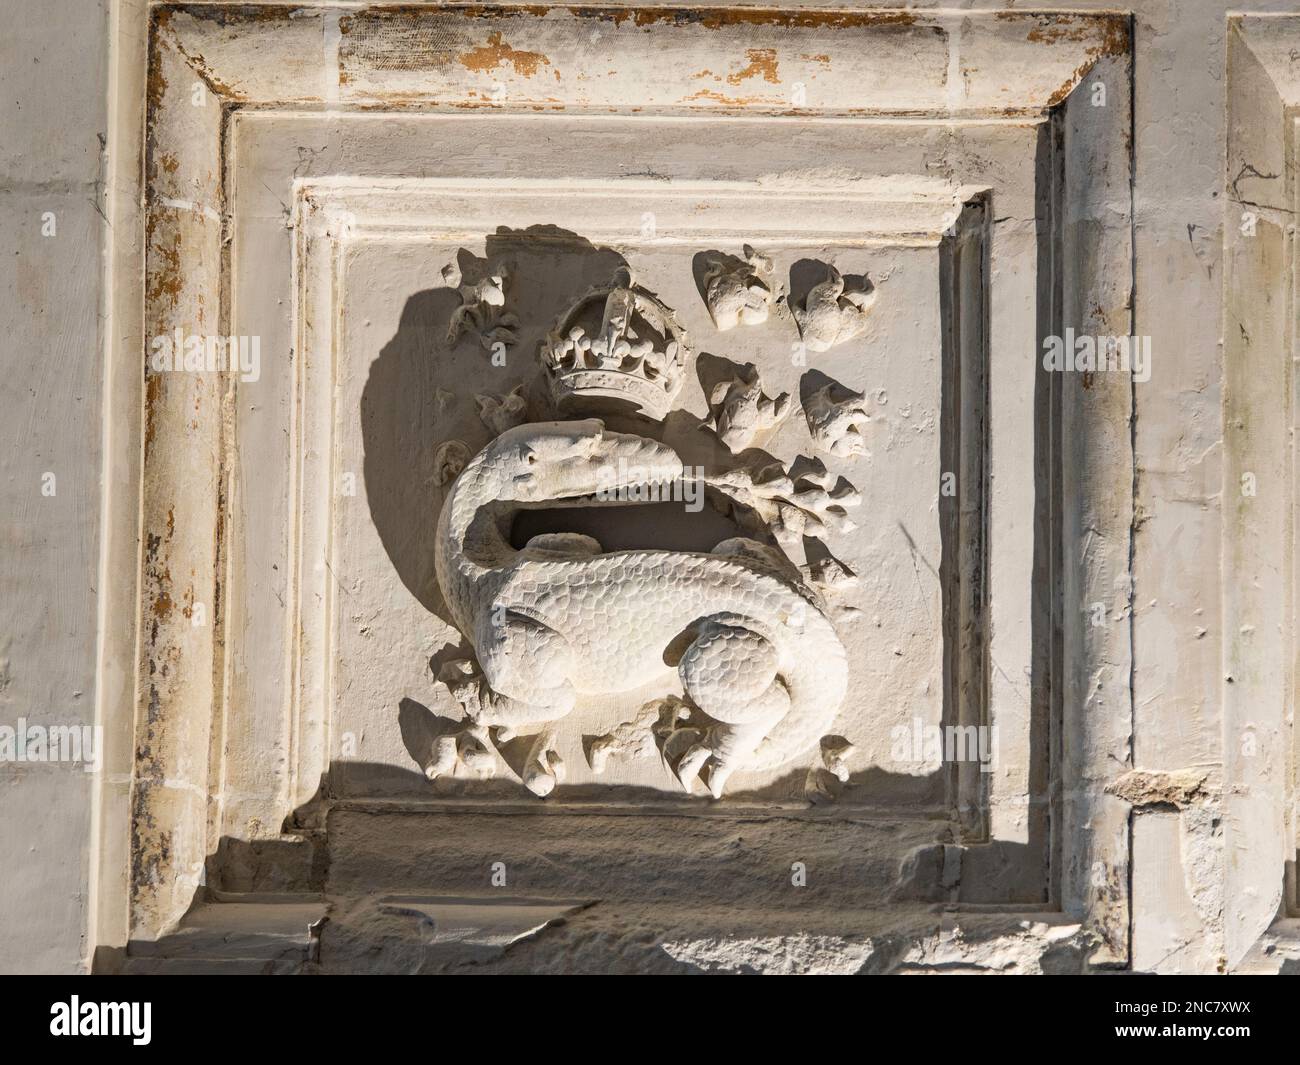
<point>724,749</point>
<point>544,768</point>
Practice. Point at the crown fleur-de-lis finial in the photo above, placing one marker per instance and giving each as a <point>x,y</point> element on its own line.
<point>618,346</point>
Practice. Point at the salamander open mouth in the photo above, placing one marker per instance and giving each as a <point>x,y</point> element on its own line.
<point>589,499</point>
<point>626,493</point>
<point>659,526</point>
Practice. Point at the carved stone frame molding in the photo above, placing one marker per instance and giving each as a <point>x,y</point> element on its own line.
<point>1260,787</point>
<point>1056,497</point>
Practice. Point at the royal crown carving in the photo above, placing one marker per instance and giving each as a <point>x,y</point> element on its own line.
<point>617,348</point>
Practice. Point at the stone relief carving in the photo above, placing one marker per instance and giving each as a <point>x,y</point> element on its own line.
<point>836,751</point>
<point>837,417</point>
<point>449,460</point>
<point>744,626</point>
<point>617,347</point>
<point>803,500</point>
<point>469,747</point>
<point>443,401</point>
<point>829,573</point>
<point>544,767</point>
<point>763,665</point>
<point>480,311</point>
<point>820,784</point>
<point>631,739</point>
<point>742,411</point>
<point>500,413</point>
<point>665,726</point>
<point>736,291</point>
<point>832,312</point>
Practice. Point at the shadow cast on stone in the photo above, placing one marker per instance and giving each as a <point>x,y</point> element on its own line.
<point>401,426</point>
<point>403,419</point>
<point>713,370</point>
<point>448,653</point>
<point>704,262</point>
<point>661,526</point>
<point>807,274</point>
<point>814,381</point>
<point>421,728</point>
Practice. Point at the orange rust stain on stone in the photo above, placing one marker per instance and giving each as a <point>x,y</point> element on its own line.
<point>152,393</point>
<point>1117,39</point>
<point>1051,35</point>
<point>762,64</point>
<point>1080,72</point>
<point>162,606</point>
<point>475,11</point>
<point>155,83</point>
<point>1055,31</point>
<point>709,94</point>
<point>165,275</point>
<point>496,52</point>
<point>246,13</point>
<point>1112,30</point>
<point>1114,42</point>
<point>1068,87</point>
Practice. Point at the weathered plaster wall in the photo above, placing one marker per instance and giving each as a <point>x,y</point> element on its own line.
<point>52,125</point>
<point>52,106</point>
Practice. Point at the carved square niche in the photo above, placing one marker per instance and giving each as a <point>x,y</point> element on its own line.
<point>310,174</point>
